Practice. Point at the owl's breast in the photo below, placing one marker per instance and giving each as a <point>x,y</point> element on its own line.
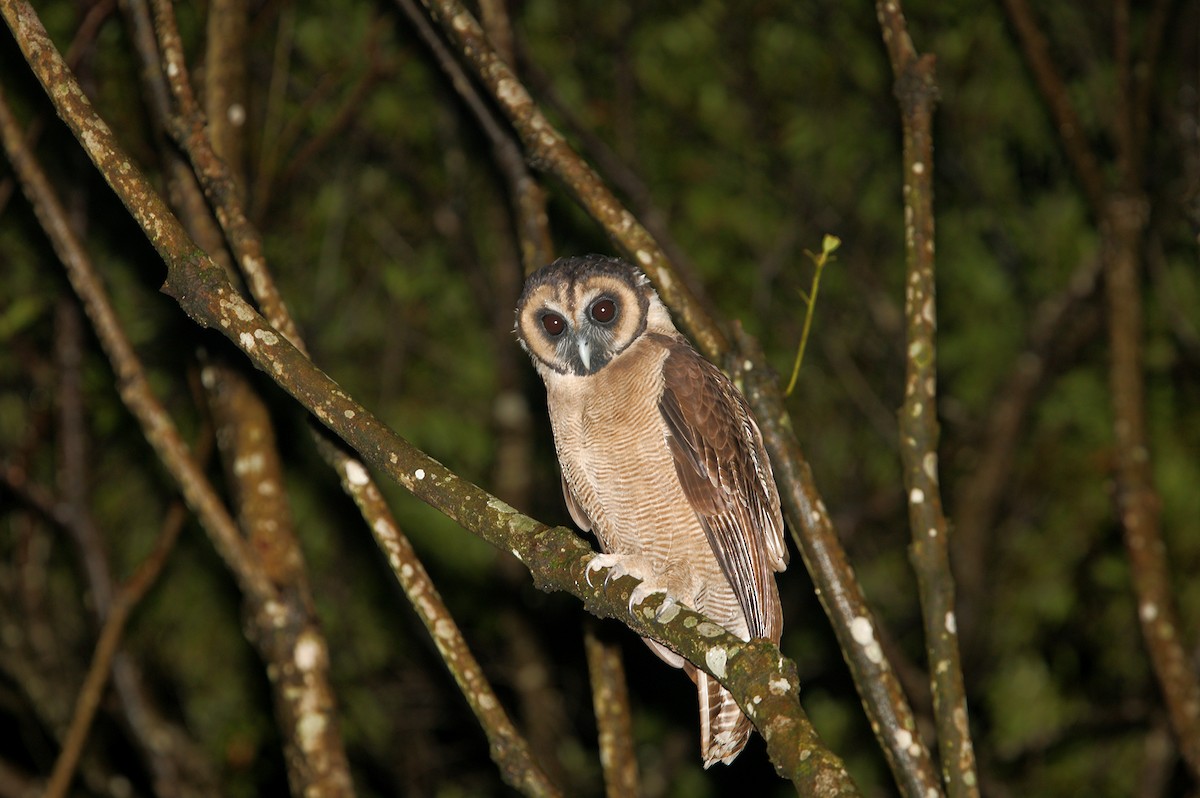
<point>611,444</point>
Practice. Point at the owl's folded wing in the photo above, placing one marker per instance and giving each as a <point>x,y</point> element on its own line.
<point>725,474</point>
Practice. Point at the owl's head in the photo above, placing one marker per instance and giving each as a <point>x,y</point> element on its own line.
<point>579,313</point>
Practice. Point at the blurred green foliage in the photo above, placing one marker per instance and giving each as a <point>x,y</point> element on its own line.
<point>757,129</point>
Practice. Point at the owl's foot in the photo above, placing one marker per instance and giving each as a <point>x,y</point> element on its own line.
<point>619,565</point>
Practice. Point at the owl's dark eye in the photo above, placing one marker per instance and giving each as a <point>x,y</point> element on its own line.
<point>553,324</point>
<point>604,311</point>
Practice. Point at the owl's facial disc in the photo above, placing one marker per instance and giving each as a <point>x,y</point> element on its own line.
<point>577,315</point>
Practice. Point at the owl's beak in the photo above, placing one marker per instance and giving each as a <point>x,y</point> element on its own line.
<point>585,352</point>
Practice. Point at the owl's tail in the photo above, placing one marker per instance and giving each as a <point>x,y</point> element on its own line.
<point>724,729</point>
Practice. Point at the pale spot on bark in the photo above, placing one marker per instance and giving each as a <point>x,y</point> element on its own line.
<point>355,473</point>
<point>716,658</point>
<point>917,496</point>
<point>669,613</point>
<point>861,630</point>
<point>249,464</point>
<point>308,651</point>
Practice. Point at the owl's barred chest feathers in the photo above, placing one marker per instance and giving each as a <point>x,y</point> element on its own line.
<point>611,443</point>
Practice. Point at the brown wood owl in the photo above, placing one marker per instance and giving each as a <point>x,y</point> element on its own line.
<point>661,459</point>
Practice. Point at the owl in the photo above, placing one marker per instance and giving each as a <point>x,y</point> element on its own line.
<point>661,459</point>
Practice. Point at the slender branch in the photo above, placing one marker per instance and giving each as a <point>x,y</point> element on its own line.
<point>509,750</point>
<point>610,701</point>
<point>1138,503</point>
<point>527,196</point>
<point>916,91</point>
<point>1122,215</point>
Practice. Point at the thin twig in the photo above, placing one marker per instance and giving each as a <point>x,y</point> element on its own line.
<point>1054,92</point>
<point>527,197</point>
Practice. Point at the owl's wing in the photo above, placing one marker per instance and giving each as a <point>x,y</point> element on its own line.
<point>723,467</point>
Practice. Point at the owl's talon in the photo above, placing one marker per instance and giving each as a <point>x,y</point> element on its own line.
<point>645,591</point>
<point>608,561</point>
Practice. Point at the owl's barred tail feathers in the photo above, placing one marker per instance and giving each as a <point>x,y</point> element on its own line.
<point>724,729</point>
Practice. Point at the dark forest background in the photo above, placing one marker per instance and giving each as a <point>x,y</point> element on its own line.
<point>741,134</point>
